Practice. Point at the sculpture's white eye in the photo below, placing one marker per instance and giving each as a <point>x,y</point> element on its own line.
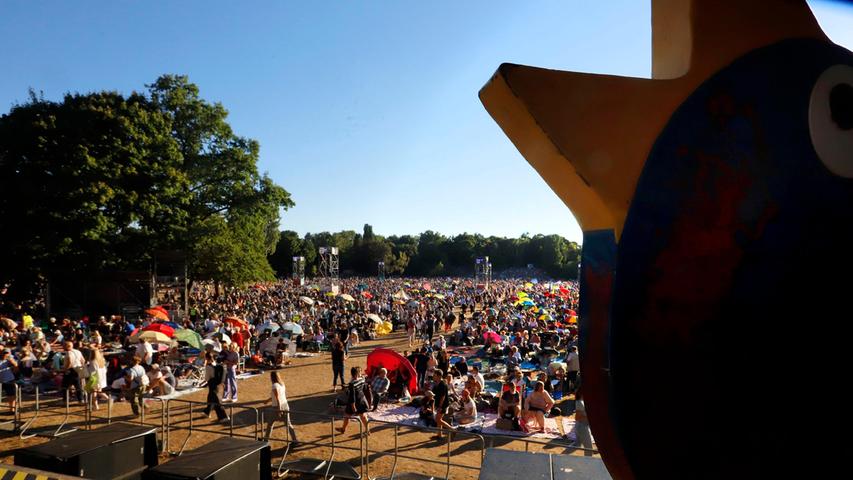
<point>831,119</point>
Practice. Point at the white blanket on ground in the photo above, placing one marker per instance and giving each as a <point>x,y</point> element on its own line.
<point>409,416</point>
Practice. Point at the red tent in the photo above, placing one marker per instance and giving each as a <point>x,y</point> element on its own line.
<point>395,363</point>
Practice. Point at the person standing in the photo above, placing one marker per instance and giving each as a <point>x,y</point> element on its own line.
<point>582,431</point>
<point>135,381</point>
<point>73,368</point>
<point>232,359</point>
<point>8,365</point>
<point>213,384</point>
<point>357,402</point>
<point>98,370</point>
<point>430,328</point>
<point>280,408</point>
<point>573,366</point>
<point>337,363</point>
<point>145,351</point>
<point>441,393</point>
<point>410,331</point>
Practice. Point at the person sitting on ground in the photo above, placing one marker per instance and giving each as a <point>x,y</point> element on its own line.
<point>513,360</point>
<point>157,383</point>
<point>475,372</point>
<point>427,410</point>
<point>379,385</point>
<point>509,406</point>
<point>472,386</point>
<point>466,410</point>
<point>538,404</point>
<point>168,376</point>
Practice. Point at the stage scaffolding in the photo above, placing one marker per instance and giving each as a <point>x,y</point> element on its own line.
<point>329,268</point>
<point>298,270</point>
<point>482,271</point>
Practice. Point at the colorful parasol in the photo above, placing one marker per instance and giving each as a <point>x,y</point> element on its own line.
<point>236,322</point>
<point>159,313</point>
<point>190,337</point>
<point>160,327</point>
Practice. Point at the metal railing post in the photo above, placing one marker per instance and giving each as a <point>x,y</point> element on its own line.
<point>449,440</point>
<point>32,419</point>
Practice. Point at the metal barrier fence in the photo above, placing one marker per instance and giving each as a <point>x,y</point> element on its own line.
<point>169,425</point>
<point>334,446</point>
<point>64,402</point>
<point>172,410</point>
<point>449,435</point>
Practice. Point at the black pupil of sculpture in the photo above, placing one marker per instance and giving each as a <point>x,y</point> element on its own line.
<point>841,105</point>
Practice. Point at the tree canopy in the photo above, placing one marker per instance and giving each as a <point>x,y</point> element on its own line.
<point>104,180</point>
<point>428,254</point>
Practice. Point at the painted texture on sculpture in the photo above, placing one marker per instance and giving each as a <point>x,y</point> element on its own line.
<point>717,209</point>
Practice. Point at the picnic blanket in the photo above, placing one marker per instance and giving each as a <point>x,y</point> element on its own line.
<point>485,424</point>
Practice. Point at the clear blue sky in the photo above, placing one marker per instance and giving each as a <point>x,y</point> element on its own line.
<point>366,111</point>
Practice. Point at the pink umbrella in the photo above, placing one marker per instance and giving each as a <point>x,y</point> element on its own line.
<point>492,336</point>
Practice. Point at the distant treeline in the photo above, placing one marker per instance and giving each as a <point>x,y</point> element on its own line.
<point>427,254</point>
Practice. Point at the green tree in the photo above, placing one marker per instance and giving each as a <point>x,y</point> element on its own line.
<point>289,245</point>
<point>224,181</point>
<point>92,182</point>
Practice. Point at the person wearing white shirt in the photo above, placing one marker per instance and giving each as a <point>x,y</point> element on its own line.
<point>280,409</point>
<point>145,351</point>
<point>73,369</point>
<point>467,409</point>
<point>573,365</point>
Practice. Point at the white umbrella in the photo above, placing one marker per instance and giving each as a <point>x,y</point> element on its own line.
<point>374,318</point>
<point>222,337</point>
<point>347,297</point>
<point>208,341</point>
<point>307,300</point>
<point>271,326</point>
<point>293,328</point>
<point>413,303</point>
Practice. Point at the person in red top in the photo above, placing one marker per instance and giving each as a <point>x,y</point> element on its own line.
<point>239,337</point>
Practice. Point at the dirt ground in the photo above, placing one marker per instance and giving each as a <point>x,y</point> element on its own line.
<point>308,382</point>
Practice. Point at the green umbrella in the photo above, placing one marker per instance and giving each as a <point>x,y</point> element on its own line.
<point>189,336</point>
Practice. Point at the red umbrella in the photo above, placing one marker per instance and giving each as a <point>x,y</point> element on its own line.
<point>237,322</point>
<point>160,327</point>
<point>367,295</point>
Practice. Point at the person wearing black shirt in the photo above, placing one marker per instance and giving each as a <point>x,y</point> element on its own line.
<point>442,401</point>
<point>213,401</point>
<point>430,328</point>
<point>337,363</point>
<point>420,363</point>
<point>357,401</point>
<point>343,336</point>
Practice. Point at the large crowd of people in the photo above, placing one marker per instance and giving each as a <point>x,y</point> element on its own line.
<point>510,345</point>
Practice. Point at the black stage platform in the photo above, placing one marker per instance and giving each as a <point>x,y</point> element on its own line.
<point>513,465</point>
